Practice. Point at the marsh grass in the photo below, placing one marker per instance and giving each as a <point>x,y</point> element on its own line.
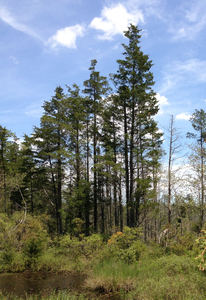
<point>167,278</point>
<point>61,295</point>
<point>112,276</point>
<point>123,267</point>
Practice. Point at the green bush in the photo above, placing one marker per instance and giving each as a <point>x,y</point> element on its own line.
<point>182,244</point>
<point>126,245</point>
<point>82,246</point>
<point>70,246</point>
<point>33,240</point>
<point>91,244</point>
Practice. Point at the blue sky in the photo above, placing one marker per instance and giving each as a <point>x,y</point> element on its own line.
<point>49,43</point>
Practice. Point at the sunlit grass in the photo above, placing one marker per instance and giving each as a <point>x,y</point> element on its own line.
<point>168,277</point>
<point>111,276</point>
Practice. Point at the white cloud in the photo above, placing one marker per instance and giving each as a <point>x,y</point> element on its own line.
<point>183,116</point>
<point>195,67</point>
<point>163,101</point>
<point>115,20</point>
<point>6,17</point>
<point>187,31</point>
<point>67,36</point>
<point>195,11</point>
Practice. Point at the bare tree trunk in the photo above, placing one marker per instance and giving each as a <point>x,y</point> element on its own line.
<point>169,171</point>
<point>202,181</point>
<point>126,164</point>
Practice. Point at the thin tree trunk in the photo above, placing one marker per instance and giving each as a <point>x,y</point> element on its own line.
<point>169,172</point>
<point>95,172</point>
<point>132,168</point>
<point>87,204</point>
<point>202,182</point>
<point>120,203</point>
<point>55,196</point>
<point>126,164</point>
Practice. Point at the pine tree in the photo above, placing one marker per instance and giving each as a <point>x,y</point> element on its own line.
<point>198,121</point>
<point>50,140</point>
<point>95,87</point>
<point>134,82</point>
<point>75,118</point>
<point>5,134</point>
<point>111,144</point>
<point>30,169</point>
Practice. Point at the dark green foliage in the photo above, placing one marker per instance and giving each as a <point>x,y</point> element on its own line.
<point>96,87</point>
<point>138,105</point>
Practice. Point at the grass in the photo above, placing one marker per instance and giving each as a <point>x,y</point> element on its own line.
<point>112,276</point>
<point>159,273</point>
<point>61,295</point>
<point>167,278</point>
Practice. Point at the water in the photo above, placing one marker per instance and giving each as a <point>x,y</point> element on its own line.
<point>29,283</point>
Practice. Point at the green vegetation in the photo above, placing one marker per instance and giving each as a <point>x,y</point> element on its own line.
<point>168,277</point>
<point>55,296</point>
<point>86,191</point>
<point>123,266</point>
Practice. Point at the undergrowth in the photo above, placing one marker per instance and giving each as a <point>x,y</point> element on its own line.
<point>61,295</point>
<point>123,265</point>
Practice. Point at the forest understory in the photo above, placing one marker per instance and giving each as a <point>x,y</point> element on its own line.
<point>120,266</point>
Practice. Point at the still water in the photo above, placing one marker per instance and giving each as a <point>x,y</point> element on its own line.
<point>22,284</point>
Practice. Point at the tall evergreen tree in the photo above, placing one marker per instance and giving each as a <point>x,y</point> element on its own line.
<point>134,82</point>
<point>30,169</point>
<point>111,142</point>
<point>75,118</point>
<point>5,134</point>
<point>50,142</point>
<point>95,87</point>
<point>198,121</point>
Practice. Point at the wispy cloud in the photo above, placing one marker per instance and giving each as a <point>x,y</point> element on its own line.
<point>67,36</point>
<point>163,101</point>
<point>14,60</point>
<point>6,17</point>
<point>195,69</point>
<point>188,32</point>
<point>187,73</point>
<point>34,110</point>
<point>183,116</point>
<point>149,7</point>
<point>192,22</point>
<point>115,20</point>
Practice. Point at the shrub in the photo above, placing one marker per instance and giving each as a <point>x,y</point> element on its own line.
<point>126,245</point>
<point>91,244</point>
<point>201,242</point>
<point>182,244</point>
<point>33,239</point>
<point>76,247</point>
<point>69,246</point>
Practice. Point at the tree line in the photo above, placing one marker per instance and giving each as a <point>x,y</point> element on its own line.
<point>95,159</point>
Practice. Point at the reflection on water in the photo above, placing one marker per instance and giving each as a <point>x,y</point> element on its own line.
<point>37,283</point>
